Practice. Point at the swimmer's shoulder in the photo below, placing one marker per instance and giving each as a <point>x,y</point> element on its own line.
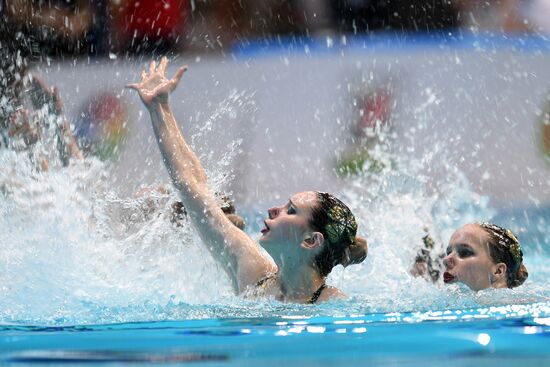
<point>331,293</point>
<point>267,286</point>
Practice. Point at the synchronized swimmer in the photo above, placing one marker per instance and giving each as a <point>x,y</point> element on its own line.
<point>306,237</point>
<point>479,255</point>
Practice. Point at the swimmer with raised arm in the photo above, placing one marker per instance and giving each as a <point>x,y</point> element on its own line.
<point>40,96</point>
<point>306,237</point>
<point>20,129</point>
<point>481,256</point>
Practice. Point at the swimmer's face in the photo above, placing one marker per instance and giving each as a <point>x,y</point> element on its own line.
<point>468,260</point>
<point>288,224</point>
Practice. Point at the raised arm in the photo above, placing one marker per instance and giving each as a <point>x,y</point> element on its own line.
<point>240,256</point>
<point>42,95</point>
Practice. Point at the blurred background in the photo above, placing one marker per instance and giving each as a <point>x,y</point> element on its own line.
<point>84,28</point>
<point>302,94</point>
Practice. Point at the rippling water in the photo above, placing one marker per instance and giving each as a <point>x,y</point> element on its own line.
<point>482,337</point>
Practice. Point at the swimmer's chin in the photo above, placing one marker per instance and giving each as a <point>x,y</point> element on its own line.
<point>262,239</point>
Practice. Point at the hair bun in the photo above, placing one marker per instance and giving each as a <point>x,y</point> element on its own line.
<point>521,276</point>
<point>356,252</point>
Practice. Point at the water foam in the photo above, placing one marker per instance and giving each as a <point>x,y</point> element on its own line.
<point>74,251</point>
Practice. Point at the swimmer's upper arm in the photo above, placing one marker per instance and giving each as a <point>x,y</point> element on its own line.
<point>241,257</point>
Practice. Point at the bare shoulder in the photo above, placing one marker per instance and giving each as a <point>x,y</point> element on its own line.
<point>331,293</point>
<point>239,254</point>
<point>266,287</point>
<point>252,263</point>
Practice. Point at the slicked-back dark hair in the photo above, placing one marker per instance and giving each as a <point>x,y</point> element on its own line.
<point>335,221</point>
<point>505,248</point>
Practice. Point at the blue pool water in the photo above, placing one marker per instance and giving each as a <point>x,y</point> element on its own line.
<point>481,337</point>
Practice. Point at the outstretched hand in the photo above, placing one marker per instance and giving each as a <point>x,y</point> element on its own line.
<point>155,88</point>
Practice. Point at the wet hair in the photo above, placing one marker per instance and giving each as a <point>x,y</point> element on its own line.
<point>334,220</point>
<point>505,248</point>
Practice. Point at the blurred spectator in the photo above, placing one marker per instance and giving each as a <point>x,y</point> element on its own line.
<point>317,16</point>
<point>54,27</point>
<point>505,15</point>
<point>38,28</point>
<point>538,13</point>
<point>217,25</point>
<point>31,30</point>
<point>155,26</point>
<point>502,15</point>
<point>357,16</point>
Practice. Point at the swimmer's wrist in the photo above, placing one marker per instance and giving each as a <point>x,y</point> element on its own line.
<point>161,113</point>
<point>159,106</point>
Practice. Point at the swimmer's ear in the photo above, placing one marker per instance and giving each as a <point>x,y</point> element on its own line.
<point>316,239</point>
<point>499,272</point>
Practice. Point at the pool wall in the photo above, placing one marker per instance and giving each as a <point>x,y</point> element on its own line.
<point>289,111</point>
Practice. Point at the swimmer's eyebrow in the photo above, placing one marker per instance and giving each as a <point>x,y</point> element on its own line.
<point>292,203</point>
<point>456,244</point>
<point>459,245</point>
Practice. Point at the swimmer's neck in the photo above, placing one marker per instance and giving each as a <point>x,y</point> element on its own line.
<point>298,283</point>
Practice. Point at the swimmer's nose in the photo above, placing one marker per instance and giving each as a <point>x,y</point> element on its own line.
<point>448,261</point>
<point>273,212</point>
